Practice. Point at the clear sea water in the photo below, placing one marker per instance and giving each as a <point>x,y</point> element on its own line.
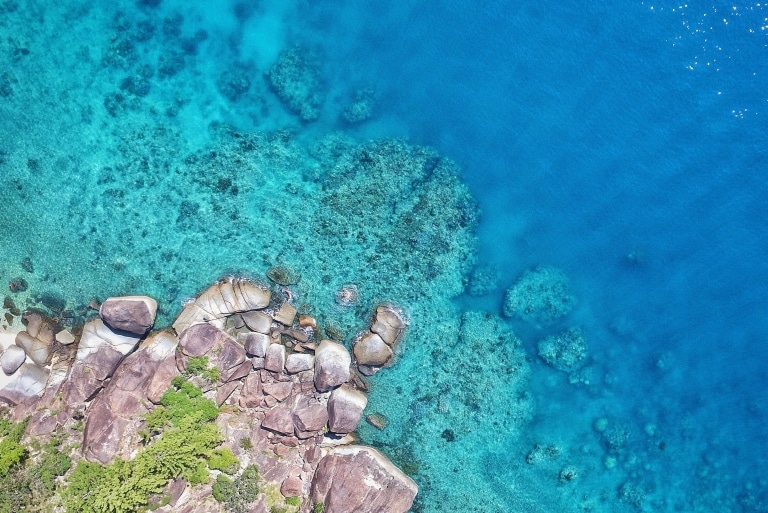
<point>625,143</point>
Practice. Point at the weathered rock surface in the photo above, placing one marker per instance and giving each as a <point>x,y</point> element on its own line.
<point>356,478</point>
<point>345,409</point>
<point>65,338</point>
<point>296,362</point>
<point>286,314</point>
<point>255,344</point>
<point>224,298</point>
<point>114,417</point>
<point>279,419</point>
<point>100,352</point>
<point>388,323</point>
<point>275,358</point>
<point>38,350</point>
<point>11,359</point>
<point>133,314</point>
<point>370,349</point>
<point>309,418</point>
<point>332,361</point>
<point>28,381</point>
<point>257,321</point>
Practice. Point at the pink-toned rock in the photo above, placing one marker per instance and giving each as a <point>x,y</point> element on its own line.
<point>280,390</point>
<point>27,382</point>
<point>355,478</point>
<point>388,323</point>
<point>310,419</point>
<point>274,360</point>
<point>279,419</point>
<point>257,321</point>
<point>199,339</point>
<point>252,393</point>
<point>345,409</point>
<point>133,314</point>
<point>370,349</point>
<point>296,363</point>
<point>224,391</point>
<point>255,344</point>
<point>292,487</point>
<point>332,361</point>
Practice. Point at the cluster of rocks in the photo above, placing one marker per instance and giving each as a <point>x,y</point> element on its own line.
<point>296,399</point>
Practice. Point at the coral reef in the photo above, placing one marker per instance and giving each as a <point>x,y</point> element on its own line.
<point>295,78</point>
<point>565,351</point>
<point>540,296</point>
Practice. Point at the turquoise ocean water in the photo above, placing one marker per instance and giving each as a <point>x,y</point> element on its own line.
<point>142,150</point>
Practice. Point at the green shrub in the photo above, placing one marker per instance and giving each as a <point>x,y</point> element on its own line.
<point>183,450</point>
<point>223,488</point>
<point>196,365</point>
<point>12,453</point>
<point>223,459</point>
<point>237,494</point>
<point>178,402</point>
<point>319,507</point>
<point>293,501</point>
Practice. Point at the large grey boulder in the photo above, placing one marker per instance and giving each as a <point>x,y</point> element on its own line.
<point>345,409</point>
<point>11,359</point>
<point>332,361</point>
<point>356,478</point>
<point>299,362</point>
<point>388,323</point>
<point>371,350</point>
<point>28,381</point>
<point>38,350</point>
<point>133,314</point>
<point>99,353</point>
<point>234,295</point>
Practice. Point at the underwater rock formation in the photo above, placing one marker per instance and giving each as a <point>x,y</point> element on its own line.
<point>541,296</point>
<point>295,78</point>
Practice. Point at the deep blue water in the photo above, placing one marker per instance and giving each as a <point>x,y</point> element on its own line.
<point>624,144</point>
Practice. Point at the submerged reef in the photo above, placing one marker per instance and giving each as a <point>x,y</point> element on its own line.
<point>565,351</point>
<point>295,78</point>
<point>541,296</point>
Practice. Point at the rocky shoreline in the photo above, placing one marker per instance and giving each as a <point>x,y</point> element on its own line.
<point>289,399</point>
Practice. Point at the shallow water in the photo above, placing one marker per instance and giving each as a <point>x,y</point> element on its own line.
<point>623,145</point>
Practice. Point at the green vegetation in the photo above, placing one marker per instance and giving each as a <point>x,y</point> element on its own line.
<point>180,401</point>
<point>245,443</point>
<point>223,459</point>
<point>319,507</point>
<point>198,366</point>
<point>237,494</point>
<point>26,486</point>
<point>293,501</point>
<point>186,443</point>
<point>12,453</point>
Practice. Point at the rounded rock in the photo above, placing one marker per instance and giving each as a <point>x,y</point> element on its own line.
<point>11,359</point>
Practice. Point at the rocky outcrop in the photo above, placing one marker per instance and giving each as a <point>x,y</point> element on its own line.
<point>115,416</point>
<point>356,478</point>
<point>99,353</point>
<point>374,348</point>
<point>132,314</point>
<point>332,361</point>
<point>224,298</point>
